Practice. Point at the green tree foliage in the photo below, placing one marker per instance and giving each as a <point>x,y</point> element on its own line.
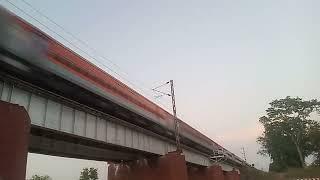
<point>38,177</point>
<point>315,142</point>
<point>89,174</point>
<point>287,132</point>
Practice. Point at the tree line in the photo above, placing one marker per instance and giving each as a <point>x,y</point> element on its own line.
<point>291,133</point>
<point>86,174</point>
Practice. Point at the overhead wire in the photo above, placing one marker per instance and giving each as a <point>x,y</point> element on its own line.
<point>93,50</point>
<point>72,35</point>
<point>55,33</point>
<point>164,84</point>
<point>75,46</point>
<point>83,43</point>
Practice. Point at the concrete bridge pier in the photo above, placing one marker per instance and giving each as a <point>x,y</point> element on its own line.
<point>206,173</point>
<point>171,166</point>
<point>231,175</point>
<point>14,139</point>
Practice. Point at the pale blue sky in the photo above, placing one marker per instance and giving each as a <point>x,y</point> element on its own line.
<point>228,58</point>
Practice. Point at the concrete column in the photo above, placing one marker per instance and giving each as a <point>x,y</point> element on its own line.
<point>171,166</point>
<point>236,174</point>
<point>206,173</point>
<point>216,172</point>
<point>14,140</point>
<point>232,175</point>
<point>228,175</point>
<point>195,173</point>
<point>118,171</point>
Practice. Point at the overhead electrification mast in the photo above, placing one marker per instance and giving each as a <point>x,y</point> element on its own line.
<point>174,109</point>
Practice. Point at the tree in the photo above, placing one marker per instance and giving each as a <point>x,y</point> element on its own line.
<point>38,177</point>
<point>286,137</point>
<point>89,174</point>
<point>315,142</point>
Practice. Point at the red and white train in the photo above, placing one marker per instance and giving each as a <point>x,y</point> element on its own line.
<point>27,42</point>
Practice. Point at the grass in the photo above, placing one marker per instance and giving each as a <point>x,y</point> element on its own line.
<point>310,172</point>
<point>291,174</point>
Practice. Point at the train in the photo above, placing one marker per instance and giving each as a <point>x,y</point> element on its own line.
<point>29,43</point>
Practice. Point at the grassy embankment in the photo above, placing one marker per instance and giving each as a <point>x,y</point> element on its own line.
<point>253,174</point>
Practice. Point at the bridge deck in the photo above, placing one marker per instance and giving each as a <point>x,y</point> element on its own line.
<point>55,114</point>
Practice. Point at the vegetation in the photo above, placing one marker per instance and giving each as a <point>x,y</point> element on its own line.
<point>290,135</point>
<point>309,172</point>
<point>254,174</point>
<point>38,177</point>
<point>89,174</point>
<point>315,142</point>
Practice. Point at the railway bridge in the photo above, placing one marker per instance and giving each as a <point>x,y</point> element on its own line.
<point>55,102</point>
